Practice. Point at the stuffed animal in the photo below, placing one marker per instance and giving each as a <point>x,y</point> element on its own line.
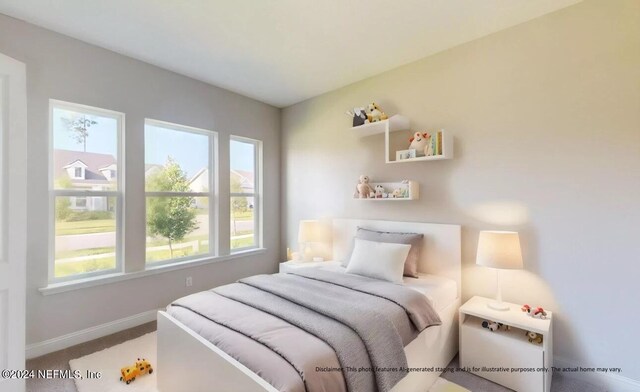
<point>363,189</point>
<point>491,325</point>
<point>379,190</point>
<point>534,337</point>
<point>128,374</point>
<point>397,193</point>
<point>359,116</point>
<point>539,313</point>
<point>421,142</point>
<point>374,113</point>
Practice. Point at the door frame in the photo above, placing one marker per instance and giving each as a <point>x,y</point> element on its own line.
<point>13,216</point>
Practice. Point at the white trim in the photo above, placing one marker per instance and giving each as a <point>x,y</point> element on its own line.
<point>56,288</point>
<point>61,342</point>
<point>118,194</point>
<point>256,194</point>
<point>610,381</point>
<point>211,195</point>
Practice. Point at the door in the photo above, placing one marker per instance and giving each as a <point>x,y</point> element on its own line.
<point>13,176</point>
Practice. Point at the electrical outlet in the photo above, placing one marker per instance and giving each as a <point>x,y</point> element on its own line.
<point>189,281</point>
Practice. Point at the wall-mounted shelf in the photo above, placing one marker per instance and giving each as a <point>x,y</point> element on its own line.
<point>410,189</point>
<point>394,123</point>
<point>399,126</point>
<point>396,142</point>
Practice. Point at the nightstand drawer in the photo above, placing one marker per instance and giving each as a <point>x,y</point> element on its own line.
<point>484,349</point>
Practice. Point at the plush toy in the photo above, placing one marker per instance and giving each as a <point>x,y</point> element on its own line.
<point>539,313</point>
<point>359,116</point>
<point>363,189</point>
<point>379,190</point>
<point>374,113</point>
<point>421,142</point>
<point>534,337</point>
<point>491,325</point>
<point>128,374</point>
<point>397,193</point>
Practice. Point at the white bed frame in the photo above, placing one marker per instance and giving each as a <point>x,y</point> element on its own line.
<point>188,362</point>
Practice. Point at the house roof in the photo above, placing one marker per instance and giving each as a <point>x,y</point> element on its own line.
<point>93,161</point>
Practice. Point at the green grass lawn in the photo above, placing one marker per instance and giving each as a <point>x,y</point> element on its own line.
<point>242,242</point>
<point>159,255</point>
<point>242,216</point>
<point>85,227</point>
<point>80,267</point>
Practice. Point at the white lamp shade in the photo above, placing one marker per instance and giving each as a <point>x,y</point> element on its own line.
<point>499,249</point>
<point>310,231</point>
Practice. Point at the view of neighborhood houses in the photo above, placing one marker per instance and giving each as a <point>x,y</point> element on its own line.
<point>85,159</point>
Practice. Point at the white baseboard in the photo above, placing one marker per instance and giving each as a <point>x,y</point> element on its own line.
<point>609,381</point>
<point>48,346</point>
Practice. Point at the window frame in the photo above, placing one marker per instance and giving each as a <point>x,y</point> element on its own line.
<point>257,193</point>
<point>212,194</point>
<point>117,194</point>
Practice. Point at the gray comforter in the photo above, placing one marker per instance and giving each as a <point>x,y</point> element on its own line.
<point>350,331</point>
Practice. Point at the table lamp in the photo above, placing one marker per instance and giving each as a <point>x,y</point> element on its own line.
<point>500,250</point>
<point>309,231</point>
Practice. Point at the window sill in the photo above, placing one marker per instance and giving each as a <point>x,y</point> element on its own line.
<point>56,288</point>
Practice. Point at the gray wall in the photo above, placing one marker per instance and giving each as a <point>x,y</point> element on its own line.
<point>63,68</point>
<point>546,120</point>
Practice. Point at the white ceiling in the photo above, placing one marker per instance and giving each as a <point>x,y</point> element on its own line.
<point>278,51</point>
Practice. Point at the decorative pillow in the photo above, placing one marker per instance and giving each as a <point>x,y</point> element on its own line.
<point>413,239</point>
<point>379,260</point>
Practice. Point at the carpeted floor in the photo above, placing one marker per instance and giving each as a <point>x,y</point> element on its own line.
<point>60,360</point>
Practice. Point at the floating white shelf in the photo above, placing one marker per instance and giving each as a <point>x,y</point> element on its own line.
<point>390,152</point>
<point>394,123</point>
<point>410,187</point>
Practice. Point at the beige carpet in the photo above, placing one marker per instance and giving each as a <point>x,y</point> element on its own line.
<point>109,361</point>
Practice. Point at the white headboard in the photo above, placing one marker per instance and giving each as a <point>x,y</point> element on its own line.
<point>441,247</point>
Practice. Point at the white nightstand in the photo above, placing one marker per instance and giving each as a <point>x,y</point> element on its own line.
<point>289,266</point>
<point>482,349</point>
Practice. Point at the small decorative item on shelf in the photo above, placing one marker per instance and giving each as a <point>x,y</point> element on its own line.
<point>494,326</point>
<point>379,191</point>
<point>537,312</point>
<point>534,338</point>
<point>375,113</point>
<point>405,154</point>
<point>359,116</point>
<point>420,142</point>
<point>490,325</point>
<point>363,189</point>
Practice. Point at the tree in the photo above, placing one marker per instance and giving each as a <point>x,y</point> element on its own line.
<point>79,128</point>
<point>170,217</point>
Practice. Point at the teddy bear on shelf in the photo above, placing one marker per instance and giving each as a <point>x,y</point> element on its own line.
<point>363,189</point>
<point>374,113</point>
<point>421,142</point>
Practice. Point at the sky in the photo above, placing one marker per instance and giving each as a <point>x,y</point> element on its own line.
<point>189,149</point>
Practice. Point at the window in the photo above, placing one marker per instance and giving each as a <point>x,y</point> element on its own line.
<point>179,186</point>
<point>86,205</point>
<point>245,164</point>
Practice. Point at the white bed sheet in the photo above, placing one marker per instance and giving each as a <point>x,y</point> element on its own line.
<point>440,291</point>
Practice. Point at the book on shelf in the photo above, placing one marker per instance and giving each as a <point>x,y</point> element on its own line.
<point>439,143</point>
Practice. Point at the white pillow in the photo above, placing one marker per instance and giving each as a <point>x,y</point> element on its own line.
<point>379,260</point>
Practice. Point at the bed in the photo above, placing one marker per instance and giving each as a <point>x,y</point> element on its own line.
<point>196,364</point>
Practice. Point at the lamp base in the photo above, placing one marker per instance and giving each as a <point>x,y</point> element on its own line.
<point>498,305</point>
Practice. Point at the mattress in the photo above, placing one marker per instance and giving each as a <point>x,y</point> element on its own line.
<point>440,291</point>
